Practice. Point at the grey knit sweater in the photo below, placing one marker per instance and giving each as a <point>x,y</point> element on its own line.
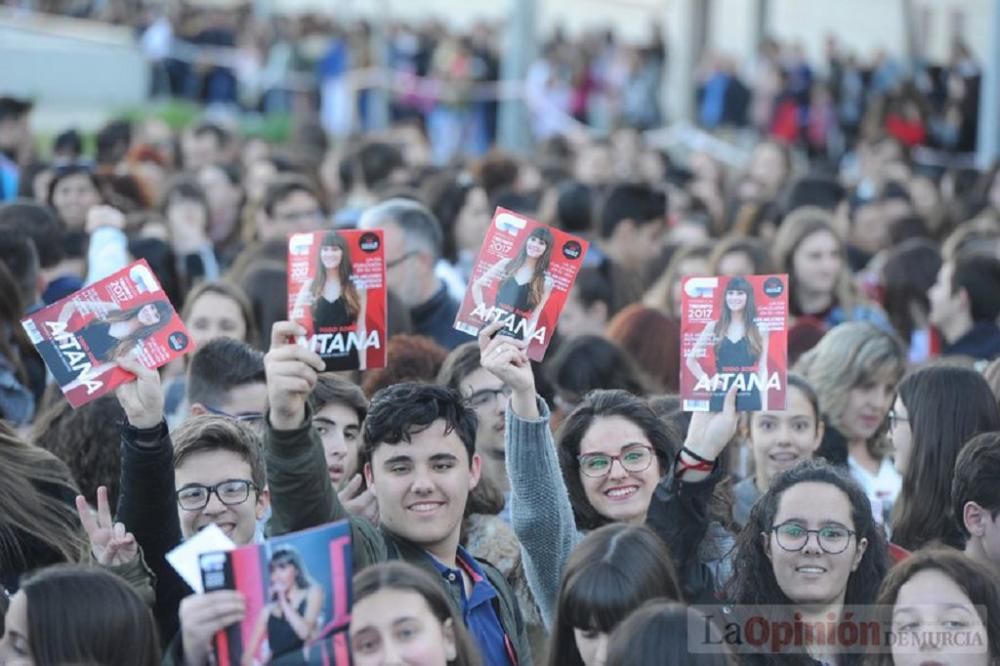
<point>541,513</point>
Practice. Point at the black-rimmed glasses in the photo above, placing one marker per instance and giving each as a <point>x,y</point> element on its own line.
<point>403,257</point>
<point>832,539</point>
<point>635,458</point>
<point>195,496</point>
<point>895,419</point>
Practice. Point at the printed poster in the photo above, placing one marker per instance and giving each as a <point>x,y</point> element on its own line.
<point>522,276</point>
<point>734,331</point>
<point>337,291</point>
<point>297,590</point>
<point>82,337</point>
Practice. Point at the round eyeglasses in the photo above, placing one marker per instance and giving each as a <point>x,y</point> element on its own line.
<point>635,458</point>
<point>832,539</point>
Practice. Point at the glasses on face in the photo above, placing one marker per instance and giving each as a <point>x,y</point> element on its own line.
<point>400,259</point>
<point>832,539</point>
<point>253,419</point>
<point>484,397</point>
<point>635,458</point>
<point>195,496</point>
<point>895,419</point>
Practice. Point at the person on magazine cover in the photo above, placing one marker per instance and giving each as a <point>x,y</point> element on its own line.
<point>525,283</point>
<point>291,617</point>
<point>336,299</point>
<point>106,339</point>
<point>740,349</point>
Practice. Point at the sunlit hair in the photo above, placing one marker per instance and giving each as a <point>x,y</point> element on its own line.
<point>402,577</point>
<point>851,355</point>
<point>537,286</point>
<point>127,343</point>
<point>345,274</point>
<point>973,578</point>
<point>607,576</point>
<point>749,315</point>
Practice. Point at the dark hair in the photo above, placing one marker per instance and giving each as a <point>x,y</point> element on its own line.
<point>112,142</point>
<point>630,201</point>
<point>40,224</point>
<point>755,248</point>
<point>68,141</point>
<point>209,432</point>
<point>331,389</point>
<point>15,346</point>
<point>973,578</point>
<point>593,285</point>
<point>184,188</point>
<point>374,162</point>
<point>753,581</point>
<point>603,404</point>
<point>345,273</point>
<point>283,186</point>
<point>65,171</point>
<point>205,128</point>
<point>743,285</point>
<point>399,411</point>
<point>221,365</point>
<point>610,573</point>
<point>461,362</point>
<point>536,287</point>
<point>228,290</point>
<point>410,358</point>
<point>405,577</point>
<point>652,339</point>
<point>101,619</point>
<point>589,362</point>
<point>18,252</point>
<point>164,311</point>
<point>822,192</point>
<point>657,635</point>
<point>497,171</point>
<point>446,196</point>
<point>979,275</point>
<point>575,208</point>
<point>947,406</point>
<point>977,477</point>
<point>266,285</point>
<point>909,271</point>
<point>285,555</point>
<point>86,439</point>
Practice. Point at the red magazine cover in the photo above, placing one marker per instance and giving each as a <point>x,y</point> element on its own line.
<point>336,290</point>
<point>734,330</point>
<point>307,574</point>
<point>82,336</point>
<point>523,273</point>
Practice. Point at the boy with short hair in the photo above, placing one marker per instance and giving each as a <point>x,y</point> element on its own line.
<point>975,497</point>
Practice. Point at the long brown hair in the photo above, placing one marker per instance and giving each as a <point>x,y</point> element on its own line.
<point>749,314</point>
<point>344,273</point>
<point>537,288</point>
<point>31,480</point>
<point>14,343</point>
<point>162,306</point>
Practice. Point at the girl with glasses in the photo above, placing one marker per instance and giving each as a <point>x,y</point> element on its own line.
<point>603,467</point>
<point>937,410</point>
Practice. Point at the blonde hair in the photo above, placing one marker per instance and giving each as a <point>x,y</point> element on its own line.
<point>851,355</point>
<point>795,228</point>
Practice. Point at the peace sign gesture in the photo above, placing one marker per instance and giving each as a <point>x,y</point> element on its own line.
<point>109,542</point>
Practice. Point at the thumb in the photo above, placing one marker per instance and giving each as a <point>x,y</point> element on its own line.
<point>729,404</point>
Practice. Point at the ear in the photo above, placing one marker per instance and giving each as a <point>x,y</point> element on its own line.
<point>450,646</point>
<point>475,471</point>
<point>263,502</point>
<point>198,409</point>
<point>859,554</point>
<point>766,539</point>
<point>975,518</point>
<point>369,476</point>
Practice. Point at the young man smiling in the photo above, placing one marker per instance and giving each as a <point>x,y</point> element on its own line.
<point>418,444</point>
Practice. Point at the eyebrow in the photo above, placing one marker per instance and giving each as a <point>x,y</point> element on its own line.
<point>823,523</point>
<point>623,447</point>
<point>949,606</point>
<point>443,457</point>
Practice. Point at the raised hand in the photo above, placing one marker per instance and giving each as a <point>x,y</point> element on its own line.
<point>104,216</point>
<point>204,615</point>
<point>110,543</point>
<point>142,399</point>
<point>508,360</point>
<point>291,375</point>
<point>357,502</point>
<point>710,432</point>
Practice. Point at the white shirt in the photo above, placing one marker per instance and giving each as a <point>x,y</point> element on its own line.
<point>882,488</point>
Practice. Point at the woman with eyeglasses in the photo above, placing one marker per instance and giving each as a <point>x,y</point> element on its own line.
<point>936,411</point>
<point>608,456</point>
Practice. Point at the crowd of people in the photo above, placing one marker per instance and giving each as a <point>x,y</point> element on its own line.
<point>504,511</point>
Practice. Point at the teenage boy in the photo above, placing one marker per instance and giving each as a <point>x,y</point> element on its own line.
<point>418,442</point>
<point>212,472</point>
<point>975,497</point>
<point>965,304</point>
<point>226,378</point>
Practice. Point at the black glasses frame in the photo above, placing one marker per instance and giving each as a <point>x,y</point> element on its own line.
<point>210,490</point>
<point>819,540</point>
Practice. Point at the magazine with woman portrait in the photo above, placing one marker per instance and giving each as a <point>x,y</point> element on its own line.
<point>84,337</point>
<point>734,332</point>
<point>521,278</point>
<point>297,590</point>
<point>336,291</point>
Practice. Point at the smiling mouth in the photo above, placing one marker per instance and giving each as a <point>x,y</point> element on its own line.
<point>227,528</point>
<point>811,570</point>
<point>621,493</point>
<point>425,507</point>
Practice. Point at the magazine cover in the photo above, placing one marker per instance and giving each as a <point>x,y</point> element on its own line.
<point>734,330</point>
<point>523,273</point>
<point>336,290</point>
<point>298,598</point>
<point>82,337</point>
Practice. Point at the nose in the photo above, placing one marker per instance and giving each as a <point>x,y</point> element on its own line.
<point>422,484</point>
<point>601,653</point>
<point>391,655</point>
<point>621,473</point>
<point>215,505</point>
<point>812,544</point>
